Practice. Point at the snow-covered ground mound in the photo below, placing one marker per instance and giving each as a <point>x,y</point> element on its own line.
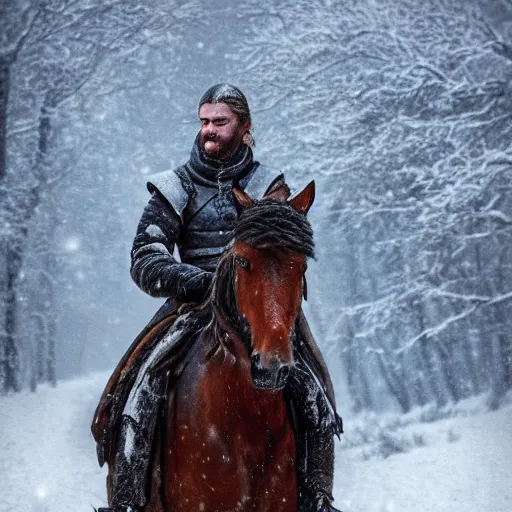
<point>458,460</point>
<point>455,460</point>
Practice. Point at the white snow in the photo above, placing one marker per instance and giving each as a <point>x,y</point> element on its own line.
<point>48,456</point>
<point>461,463</point>
<point>458,464</point>
<point>156,247</point>
<point>130,442</point>
<point>72,244</point>
<point>154,231</point>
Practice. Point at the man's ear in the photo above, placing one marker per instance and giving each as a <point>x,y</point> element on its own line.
<point>303,200</point>
<point>242,200</point>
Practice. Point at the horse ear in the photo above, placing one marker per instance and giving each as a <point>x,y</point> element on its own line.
<point>303,200</point>
<point>280,194</point>
<point>242,200</point>
<point>278,189</point>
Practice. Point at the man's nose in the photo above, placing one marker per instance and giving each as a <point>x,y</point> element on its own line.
<point>210,129</point>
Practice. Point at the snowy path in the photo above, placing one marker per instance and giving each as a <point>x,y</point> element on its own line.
<point>48,461</point>
<point>48,464</point>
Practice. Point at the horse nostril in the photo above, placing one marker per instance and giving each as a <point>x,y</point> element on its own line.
<point>256,360</point>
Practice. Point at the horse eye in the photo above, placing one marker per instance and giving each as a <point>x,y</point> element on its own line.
<point>242,262</point>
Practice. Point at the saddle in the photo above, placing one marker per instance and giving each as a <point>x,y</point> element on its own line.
<point>113,399</point>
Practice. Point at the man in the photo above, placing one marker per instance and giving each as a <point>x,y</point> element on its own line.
<point>193,208</point>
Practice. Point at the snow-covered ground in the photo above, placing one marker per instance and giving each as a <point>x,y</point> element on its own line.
<point>417,463</point>
<point>412,463</point>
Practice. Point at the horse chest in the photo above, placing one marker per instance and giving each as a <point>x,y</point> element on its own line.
<point>232,401</point>
<point>235,448</point>
<point>236,471</point>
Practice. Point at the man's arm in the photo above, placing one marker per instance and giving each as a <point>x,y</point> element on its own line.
<point>153,268</point>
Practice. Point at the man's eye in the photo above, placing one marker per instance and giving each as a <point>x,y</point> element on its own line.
<point>242,262</point>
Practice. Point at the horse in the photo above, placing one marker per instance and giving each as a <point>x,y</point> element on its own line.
<point>226,440</point>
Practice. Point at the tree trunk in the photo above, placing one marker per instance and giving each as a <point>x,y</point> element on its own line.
<point>11,358</point>
<point>10,361</point>
<point>4,98</point>
<point>49,310</point>
<point>394,379</point>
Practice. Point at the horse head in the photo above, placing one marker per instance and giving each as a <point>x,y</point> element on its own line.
<point>272,242</point>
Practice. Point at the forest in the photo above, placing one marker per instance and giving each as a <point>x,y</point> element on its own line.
<point>400,111</point>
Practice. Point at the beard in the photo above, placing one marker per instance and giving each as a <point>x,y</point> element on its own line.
<point>219,148</point>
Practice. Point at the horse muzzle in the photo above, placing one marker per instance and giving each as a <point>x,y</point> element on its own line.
<point>271,377</point>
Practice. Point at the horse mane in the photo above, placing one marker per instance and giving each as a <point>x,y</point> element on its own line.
<point>267,224</point>
<point>273,224</point>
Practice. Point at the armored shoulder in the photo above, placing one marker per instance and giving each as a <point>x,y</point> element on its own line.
<point>174,186</point>
<point>262,180</point>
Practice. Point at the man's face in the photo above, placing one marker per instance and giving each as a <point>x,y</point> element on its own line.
<point>221,130</point>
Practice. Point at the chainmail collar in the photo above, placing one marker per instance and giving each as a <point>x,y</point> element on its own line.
<point>210,171</point>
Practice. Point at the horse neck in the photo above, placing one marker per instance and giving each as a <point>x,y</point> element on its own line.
<point>222,340</point>
<point>225,323</point>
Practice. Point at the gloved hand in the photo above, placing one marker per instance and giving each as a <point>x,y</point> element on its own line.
<point>194,286</point>
<point>321,502</point>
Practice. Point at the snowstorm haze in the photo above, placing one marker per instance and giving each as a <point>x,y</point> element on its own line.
<point>400,110</point>
<point>133,115</point>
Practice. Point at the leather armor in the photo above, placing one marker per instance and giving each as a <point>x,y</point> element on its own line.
<point>207,209</point>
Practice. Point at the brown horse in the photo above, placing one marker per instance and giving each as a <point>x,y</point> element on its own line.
<point>228,442</point>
